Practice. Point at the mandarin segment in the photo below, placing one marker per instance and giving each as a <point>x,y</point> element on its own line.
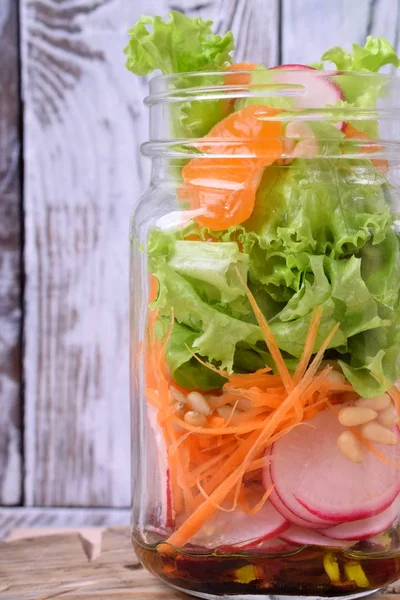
<point>222,191</point>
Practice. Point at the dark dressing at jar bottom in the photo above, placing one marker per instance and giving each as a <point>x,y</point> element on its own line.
<point>300,573</point>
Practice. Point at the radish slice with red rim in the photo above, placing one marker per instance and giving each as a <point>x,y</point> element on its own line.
<point>305,537</point>
<point>365,528</point>
<point>308,467</point>
<point>239,530</point>
<point>302,517</point>
<point>319,91</point>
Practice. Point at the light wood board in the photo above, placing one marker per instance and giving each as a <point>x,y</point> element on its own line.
<point>74,568</point>
<point>39,518</point>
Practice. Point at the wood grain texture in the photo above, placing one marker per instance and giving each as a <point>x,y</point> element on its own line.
<point>59,565</point>
<point>17,518</point>
<point>84,122</point>
<point>39,568</point>
<point>83,176</point>
<point>309,27</point>
<point>10,259</point>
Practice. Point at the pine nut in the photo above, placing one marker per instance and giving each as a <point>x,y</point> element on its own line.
<point>335,377</point>
<point>351,416</point>
<point>177,395</point>
<point>179,407</point>
<point>375,432</point>
<point>213,402</point>
<point>195,419</point>
<point>226,412</point>
<point>243,404</point>
<point>198,403</point>
<point>299,130</point>
<point>179,411</point>
<point>350,446</point>
<point>388,417</point>
<point>306,149</point>
<point>379,403</point>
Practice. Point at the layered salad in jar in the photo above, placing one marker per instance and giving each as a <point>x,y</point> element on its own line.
<point>273,330</point>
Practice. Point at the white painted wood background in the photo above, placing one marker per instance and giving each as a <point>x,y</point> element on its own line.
<point>83,125</point>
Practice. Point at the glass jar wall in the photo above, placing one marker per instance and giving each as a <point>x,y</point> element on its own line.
<point>265,329</point>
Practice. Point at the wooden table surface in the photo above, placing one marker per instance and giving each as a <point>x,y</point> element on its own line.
<point>89,564</point>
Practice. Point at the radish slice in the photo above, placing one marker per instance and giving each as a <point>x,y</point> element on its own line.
<point>238,530</point>
<point>165,517</point>
<point>298,535</point>
<point>277,545</point>
<point>365,528</point>
<point>307,466</point>
<point>296,514</point>
<point>319,89</point>
<point>293,518</point>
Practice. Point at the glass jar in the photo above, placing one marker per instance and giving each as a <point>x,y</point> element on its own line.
<point>265,329</point>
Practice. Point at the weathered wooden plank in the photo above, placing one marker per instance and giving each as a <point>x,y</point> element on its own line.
<point>58,565</point>
<point>10,259</point>
<point>84,122</point>
<point>310,27</point>
<point>255,25</point>
<point>83,176</point>
<point>17,518</point>
<point>38,568</point>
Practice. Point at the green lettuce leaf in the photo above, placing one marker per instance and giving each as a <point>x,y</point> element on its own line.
<point>336,286</point>
<point>213,264</point>
<point>375,54</point>
<point>373,363</point>
<point>180,45</point>
<point>380,269</point>
<point>185,369</point>
<point>359,91</point>
<point>324,206</point>
<point>217,332</point>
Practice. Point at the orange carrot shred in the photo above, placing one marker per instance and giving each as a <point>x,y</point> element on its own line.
<point>213,465</point>
<point>269,337</point>
<point>309,345</point>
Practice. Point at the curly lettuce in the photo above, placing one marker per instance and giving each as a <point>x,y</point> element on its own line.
<point>320,206</point>
<point>361,91</point>
<point>375,54</point>
<point>206,323</point>
<point>182,45</point>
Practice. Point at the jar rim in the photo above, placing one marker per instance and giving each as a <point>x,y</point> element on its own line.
<point>329,72</point>
<point>309,95</point>
<point>164,88</point>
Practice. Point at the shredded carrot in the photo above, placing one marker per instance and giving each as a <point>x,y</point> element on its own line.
<point>260,504</point>
<point>215,421</point>
<point>269,337</point>
<point>212,465</point>
<point>395,396</point>
<point>309,345</point>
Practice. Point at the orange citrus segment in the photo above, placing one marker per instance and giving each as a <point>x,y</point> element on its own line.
<point>222,190</point>
<point>237,79</point>
<point>240,78</point>
<point>351,132</point>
